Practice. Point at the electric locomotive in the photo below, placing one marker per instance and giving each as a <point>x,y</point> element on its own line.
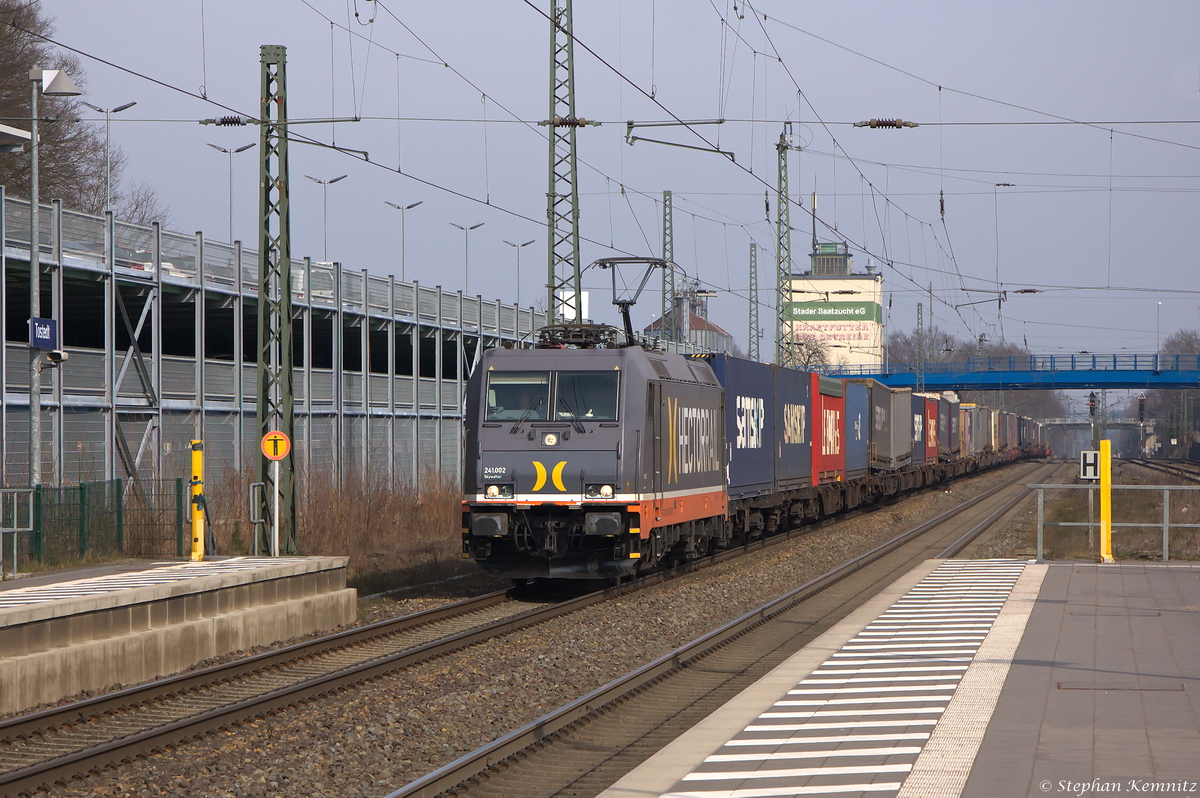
<point>587,459</point>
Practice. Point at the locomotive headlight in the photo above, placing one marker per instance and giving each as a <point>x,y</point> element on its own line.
<point>597,491</point>
<point>550,439</point>
<point>493,491</point>
<point>606,492</point>
<point>499,491</point>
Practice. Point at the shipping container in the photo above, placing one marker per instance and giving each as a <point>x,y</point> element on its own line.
<point>917,414</point>
<point>890,430</point>
<point>794,429</point>
<point>749,423</point>
<point>965,419</point>
<point>955,438</point>
<point>932,409</point>
<point>829,404</point>
<point>945,429</point>
<point>856,428</point>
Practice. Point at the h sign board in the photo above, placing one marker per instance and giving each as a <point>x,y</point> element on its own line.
<point>43,333</point>
<point>1089,465</point>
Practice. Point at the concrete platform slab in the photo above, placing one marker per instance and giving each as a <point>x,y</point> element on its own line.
<point>124,626</point>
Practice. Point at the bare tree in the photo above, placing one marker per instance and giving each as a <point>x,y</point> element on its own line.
<point>71,158</point>
<point>808,351</point>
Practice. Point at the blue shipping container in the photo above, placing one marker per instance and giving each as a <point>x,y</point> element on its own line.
<point>749,423</point>
<point>856,430</point>
<point>794,426</point>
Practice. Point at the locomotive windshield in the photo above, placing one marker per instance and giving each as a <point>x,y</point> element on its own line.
<point>514,395</point>
<point>577,396</point>
<point>587,396</point>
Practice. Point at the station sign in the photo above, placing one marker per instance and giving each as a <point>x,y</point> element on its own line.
<point>43,333</point>
<point>1089,465</point>
<point>276,445</point>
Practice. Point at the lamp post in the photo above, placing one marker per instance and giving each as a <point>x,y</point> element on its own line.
<point>53,83</point>
<point>403,209</point>
<point>231,153</point>
<point>1157,317</point>
<point>108,112</point>
<point>325,184</point>
<point>517,247</point>
<point>467,253</point>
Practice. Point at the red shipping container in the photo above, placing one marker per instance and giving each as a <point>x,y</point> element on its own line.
<point>829,405</point>
<point>932,433</point>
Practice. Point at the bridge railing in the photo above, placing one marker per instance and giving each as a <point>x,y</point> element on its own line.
<point>1083,361</point>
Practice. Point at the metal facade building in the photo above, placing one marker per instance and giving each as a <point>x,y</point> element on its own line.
<point>160,330</point>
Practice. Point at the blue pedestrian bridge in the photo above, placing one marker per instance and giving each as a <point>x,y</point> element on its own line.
<point>1047,372</point>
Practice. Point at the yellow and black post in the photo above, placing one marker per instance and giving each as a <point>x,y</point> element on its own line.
<point>197,501</point>
<point>1106,501</point>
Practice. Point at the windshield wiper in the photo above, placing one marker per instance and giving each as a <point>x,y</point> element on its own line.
<point>575,422</point>
<point>524,416</point>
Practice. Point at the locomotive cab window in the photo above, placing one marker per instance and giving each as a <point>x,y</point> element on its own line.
<point>586,396</point>
<point>515,395</point>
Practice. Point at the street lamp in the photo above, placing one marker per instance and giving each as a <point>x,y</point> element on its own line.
<point>108,112</point>
<point>231,153</point>
<point>517,247</point>
<point>53,83</point>
<point>325,184</point>
<point>402,209</point>
<point>467,254</point>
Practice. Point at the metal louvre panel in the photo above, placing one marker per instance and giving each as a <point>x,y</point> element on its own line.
<point>450,397</point>
<point>178,431</point>
<point>322,443</point>
<point>429,395</point>
<point>508,320</point>
<point>353,441</point>
<point>352,389</point>
<point>178,378</point>
<point>322,387</point>
<point>131,385</point>
<point>379,390</point>
<point>451,444</point>
<point>250,382</point>
<point>16,442</point>
<point>17,370</point>
<point>470,311</point>
<point>489,319</point>
<point>299,442</point>
<point>404,393</point>
<point>450,309</point>
<point>85,374</point>
<point>377,293</point>
<point>406,299</point>
<point>428,444</point>
<point>297,387</point>
<point>427,302</point>
<point>84,432</point>
<point>250,436</point>
<point>352,288</point>
<point>218,380</point>
<point>378,449</point>
<point>406,429</point>
<point>220,454</point>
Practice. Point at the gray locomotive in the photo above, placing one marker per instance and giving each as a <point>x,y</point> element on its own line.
<point>588,461</point>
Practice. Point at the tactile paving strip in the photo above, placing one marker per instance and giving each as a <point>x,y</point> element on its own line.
<point>857,724</point>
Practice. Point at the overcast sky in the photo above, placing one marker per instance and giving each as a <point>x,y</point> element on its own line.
<point>1100,218</point>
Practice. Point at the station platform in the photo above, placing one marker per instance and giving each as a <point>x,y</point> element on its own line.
<point>968,678</point>
<point>87,629</point>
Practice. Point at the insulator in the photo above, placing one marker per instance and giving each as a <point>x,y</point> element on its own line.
<point>231,121</point>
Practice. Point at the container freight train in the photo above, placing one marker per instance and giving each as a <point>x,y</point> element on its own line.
<point>597,462</point>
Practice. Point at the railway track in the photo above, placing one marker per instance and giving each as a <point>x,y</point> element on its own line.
<point>51,747</point>
<point>585,746</point>
<point>1177,468</point>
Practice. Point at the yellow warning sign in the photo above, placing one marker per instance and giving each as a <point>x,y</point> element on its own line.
<point>276,445</point>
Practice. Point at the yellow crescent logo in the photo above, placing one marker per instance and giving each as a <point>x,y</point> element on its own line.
<point>556,476</point>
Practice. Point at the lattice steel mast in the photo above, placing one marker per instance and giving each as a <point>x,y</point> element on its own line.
<point>754,354</point>
<point>784,355</point>
<point>275,397</point>
<point>667,319</point>
<point>563,286</point>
